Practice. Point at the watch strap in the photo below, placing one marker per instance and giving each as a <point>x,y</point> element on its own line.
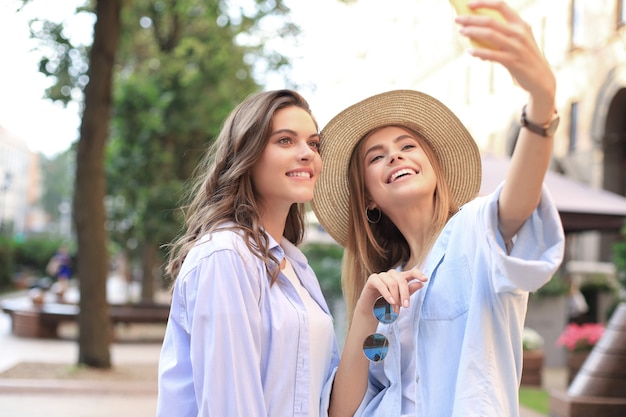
<point>546,130</point>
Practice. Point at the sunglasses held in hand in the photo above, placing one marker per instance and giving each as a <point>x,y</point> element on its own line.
<point>375,346</point>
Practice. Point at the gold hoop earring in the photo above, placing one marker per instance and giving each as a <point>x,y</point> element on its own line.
<point>369,219</point>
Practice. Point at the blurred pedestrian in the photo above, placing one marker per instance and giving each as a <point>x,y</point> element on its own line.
<point>60,270</point>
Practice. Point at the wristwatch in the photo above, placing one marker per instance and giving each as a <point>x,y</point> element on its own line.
<point>546,130</point>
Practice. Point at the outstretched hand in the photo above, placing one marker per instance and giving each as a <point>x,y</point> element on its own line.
<point>511,43</point>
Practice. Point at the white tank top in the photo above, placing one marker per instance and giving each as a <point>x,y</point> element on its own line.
<point>321,332</point>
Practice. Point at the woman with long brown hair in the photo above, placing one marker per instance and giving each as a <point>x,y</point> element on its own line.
<point>249,332</point>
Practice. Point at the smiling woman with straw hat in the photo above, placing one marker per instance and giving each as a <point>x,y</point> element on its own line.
<point>445,273</point>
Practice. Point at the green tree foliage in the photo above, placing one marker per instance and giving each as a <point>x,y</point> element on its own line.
<point>619,259</point>
<point>182,66</point>
<point>64,61</point>
<point>182,73</point>
<point>325,259</point>
<point>193,59</point>
<point>7,263</point>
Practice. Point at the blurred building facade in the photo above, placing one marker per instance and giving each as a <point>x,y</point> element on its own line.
<point>20,187</point>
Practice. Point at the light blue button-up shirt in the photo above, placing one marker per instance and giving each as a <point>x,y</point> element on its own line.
<point>468,319</point>
<point>234,345</point>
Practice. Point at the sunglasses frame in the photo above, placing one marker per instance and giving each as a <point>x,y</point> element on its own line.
<point>376,345</point>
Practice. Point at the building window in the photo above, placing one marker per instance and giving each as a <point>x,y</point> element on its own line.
<point>577,16</point>
<point>573,127</point>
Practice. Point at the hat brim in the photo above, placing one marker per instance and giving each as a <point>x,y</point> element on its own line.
<point>454,146</point>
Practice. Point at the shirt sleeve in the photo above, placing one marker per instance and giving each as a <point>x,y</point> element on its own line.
<point>210,362</point>
<point>537,251</point>
<point>327,391</point>
<point>225,323</point>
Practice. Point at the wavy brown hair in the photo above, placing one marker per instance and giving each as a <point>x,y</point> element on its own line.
<point>377,247</point>
<point>222,190</point>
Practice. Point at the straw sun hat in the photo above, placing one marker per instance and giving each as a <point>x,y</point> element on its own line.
<point>452,143</point>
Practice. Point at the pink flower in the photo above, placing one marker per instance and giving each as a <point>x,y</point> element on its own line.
<point>580,338</point>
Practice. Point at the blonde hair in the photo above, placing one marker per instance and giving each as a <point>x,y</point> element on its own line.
<point>377,247</point>
<point>222,189</point>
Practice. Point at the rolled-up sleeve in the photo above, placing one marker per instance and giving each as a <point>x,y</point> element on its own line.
<point>537,250</point>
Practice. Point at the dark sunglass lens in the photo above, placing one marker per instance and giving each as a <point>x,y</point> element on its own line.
<point>375,347</point>
<point>383,311</point>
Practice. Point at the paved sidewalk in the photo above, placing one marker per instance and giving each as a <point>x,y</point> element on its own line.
<point>75,398</point>
<point>67,398</point>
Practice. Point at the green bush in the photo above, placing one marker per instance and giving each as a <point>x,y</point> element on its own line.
<point>599,283</point>
<point>7,263</point>
<point>325,260</point>
<point>34,253</point>
<point>26,258</point>
<point>619,259</point>
<point>553,288</point>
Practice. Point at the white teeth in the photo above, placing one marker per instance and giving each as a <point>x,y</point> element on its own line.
<point>299,174</point>
<point>399,173</point>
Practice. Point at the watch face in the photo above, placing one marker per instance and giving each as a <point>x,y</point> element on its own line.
<point>551,129</point>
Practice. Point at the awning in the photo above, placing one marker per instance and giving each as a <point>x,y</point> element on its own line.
<point>582,208</point>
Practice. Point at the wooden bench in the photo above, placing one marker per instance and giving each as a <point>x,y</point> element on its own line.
<point>42,321</point>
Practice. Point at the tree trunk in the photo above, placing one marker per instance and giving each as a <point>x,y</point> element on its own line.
<point>89,213</point>
<point>148,259</point>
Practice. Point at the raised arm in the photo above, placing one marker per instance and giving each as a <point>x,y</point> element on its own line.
<point>517,50</point>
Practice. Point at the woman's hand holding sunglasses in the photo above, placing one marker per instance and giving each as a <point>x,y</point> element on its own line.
<point>394,286</point>
<point>393,290</point>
